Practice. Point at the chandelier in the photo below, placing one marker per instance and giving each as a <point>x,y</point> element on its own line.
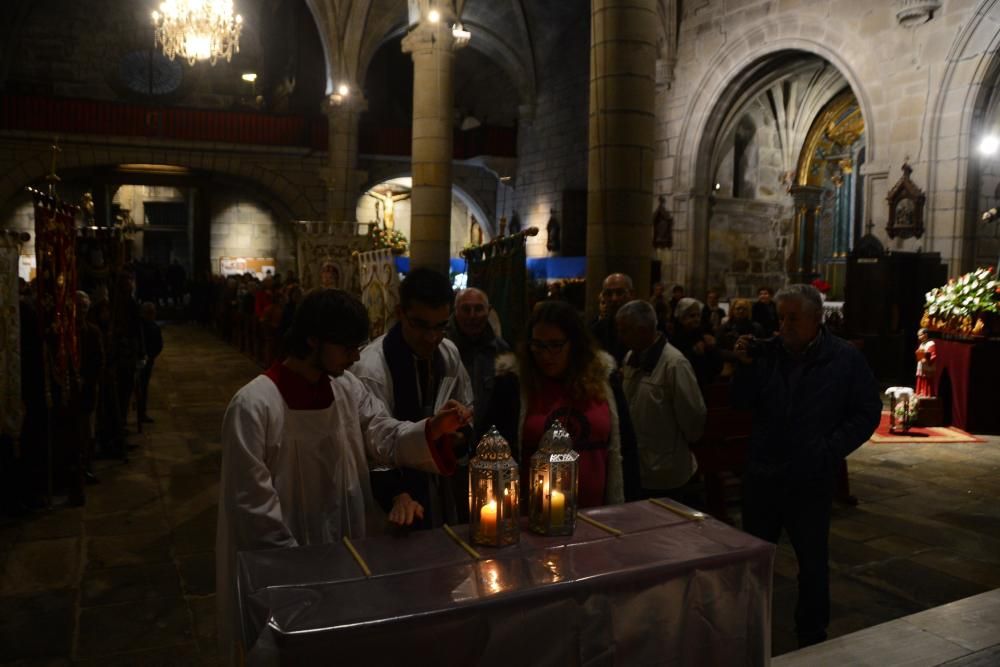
<point>198,29</point>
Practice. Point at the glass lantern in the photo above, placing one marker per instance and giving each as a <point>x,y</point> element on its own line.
<point>902,409</point>
<point>552,504</point>
<point>494,514</point>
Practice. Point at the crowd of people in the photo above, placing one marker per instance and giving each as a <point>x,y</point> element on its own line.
<point>406,409</point>
<point>83,413</point>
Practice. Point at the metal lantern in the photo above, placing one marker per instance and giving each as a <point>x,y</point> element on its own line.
<point>902,407</point>
<point>554,475</point>
<point>494,514</point>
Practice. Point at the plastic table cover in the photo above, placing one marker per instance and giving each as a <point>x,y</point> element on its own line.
<point>668,591</point>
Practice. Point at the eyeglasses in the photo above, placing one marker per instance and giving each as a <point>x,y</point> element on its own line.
<point>426,327</point>
<point>349,347</point>
<point>539,346</point>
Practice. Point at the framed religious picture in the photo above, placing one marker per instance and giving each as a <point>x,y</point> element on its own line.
<point>906,208</point>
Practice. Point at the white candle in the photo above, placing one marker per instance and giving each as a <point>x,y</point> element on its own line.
<point>558,511</point>
<point>488,518</point>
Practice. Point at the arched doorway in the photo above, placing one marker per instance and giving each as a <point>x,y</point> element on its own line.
<point>388,204</point>
<point>792,128</point>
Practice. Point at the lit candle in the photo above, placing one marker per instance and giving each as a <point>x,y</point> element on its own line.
<point>558,511</point>
<point>488,518</point>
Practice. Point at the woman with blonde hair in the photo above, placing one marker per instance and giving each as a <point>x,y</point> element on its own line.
<point>559,372</point>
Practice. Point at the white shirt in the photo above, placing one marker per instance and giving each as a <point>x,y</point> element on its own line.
<point>296,477</point>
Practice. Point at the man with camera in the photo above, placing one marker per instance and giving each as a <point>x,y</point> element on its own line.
<point>814,401</point>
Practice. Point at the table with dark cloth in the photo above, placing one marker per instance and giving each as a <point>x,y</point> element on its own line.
<point>973,370</point>
<point>668,591</point>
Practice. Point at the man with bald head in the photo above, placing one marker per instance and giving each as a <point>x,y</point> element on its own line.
<point>469,329</point>
<point>616,291</point>
<point>478,345</point>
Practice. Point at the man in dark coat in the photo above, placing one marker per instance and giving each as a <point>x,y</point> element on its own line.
<point>616,290</point>
<point>814,401</point>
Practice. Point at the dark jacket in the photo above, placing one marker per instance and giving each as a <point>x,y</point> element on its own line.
<point>809,414</point>
<point>479,358</point>
<point>606,333</point>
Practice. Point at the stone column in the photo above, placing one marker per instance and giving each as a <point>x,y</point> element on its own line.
<point>808,199</point>
<point>200,229</point>
<point>432,47</point>
<point>620,165</point>
<point>341,175</point>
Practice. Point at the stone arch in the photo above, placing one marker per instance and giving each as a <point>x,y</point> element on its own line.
<point>459,188</point>
<point>972,68</point>
<point>727,78</point>
<point>273,185</point>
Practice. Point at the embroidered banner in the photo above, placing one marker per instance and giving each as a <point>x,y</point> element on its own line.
<point>325,251</point>
<point>379,289</point>
<point>55,287</point>
<point>11,411</point>
<point>498,268</point>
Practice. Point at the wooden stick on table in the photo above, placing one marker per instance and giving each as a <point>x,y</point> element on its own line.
<point>462,543</point>
<point>357,557</point>
<point>690,515</point>
<point>603,526</point>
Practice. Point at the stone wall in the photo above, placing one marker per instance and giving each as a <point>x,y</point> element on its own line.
<point>552,146</point>
<point>917,88</point>
<point>748,242</point>
<point>242,227</point>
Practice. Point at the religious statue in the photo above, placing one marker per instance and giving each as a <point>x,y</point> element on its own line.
<point>926,354</point>
<point>475,232</point>
<point>387,204</point>
<point>554,243</point>
<point>663,226</point>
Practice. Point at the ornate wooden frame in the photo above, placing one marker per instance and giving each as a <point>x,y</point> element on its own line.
<point>906,208</point>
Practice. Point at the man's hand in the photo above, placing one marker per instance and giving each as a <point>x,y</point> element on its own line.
<point>404,510</point>
<point>451,417</point>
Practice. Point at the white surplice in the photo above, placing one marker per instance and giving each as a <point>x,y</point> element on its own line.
<point>297,477</point>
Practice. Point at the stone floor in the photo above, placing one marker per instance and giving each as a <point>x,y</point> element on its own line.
<point>129,578</point>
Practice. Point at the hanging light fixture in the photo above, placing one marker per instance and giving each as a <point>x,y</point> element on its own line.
<point>198,29</point>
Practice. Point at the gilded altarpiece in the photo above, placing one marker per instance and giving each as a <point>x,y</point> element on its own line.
<point>829,219</point>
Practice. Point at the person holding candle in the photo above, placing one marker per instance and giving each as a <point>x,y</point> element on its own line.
<point>559,372</point>
<point>414,370</point>
<point>297,443</point>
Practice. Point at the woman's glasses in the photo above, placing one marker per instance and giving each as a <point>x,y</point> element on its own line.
<point>553,346</point>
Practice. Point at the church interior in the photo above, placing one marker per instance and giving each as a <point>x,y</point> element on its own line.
<point>529,149</point>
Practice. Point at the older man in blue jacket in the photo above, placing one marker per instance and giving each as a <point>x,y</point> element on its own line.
<point>814,401</point>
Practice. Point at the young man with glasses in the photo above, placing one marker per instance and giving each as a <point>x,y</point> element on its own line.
<point>297,443</point>
<point>415,370</point>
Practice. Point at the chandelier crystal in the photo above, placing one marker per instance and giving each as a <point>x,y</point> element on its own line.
<point>198,29</point>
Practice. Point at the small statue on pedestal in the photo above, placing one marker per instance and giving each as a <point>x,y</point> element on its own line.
<point>926,354</point>
<point>663,226</point>
<point>554,243</point>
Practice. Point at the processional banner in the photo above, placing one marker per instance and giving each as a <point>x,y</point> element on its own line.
<point>11,410</point>
<point>325,255</point>
<point>55,286</point>
<point>379,289</point>
<point>498,268</point>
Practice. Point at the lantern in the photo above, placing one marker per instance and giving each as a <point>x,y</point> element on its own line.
<point>552,504</point>
<point>494,515</point>
<point>902,411</point>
